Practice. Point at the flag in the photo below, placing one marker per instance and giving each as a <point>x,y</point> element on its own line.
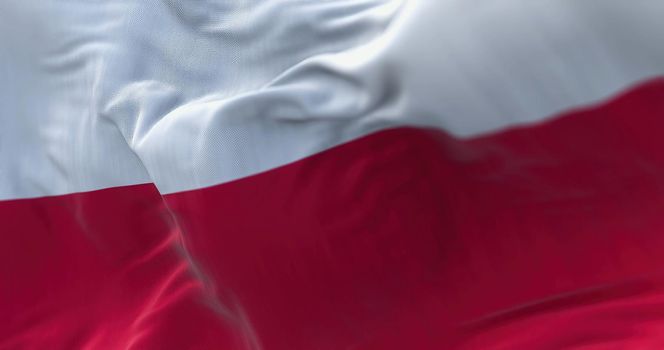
<point>343,174</point>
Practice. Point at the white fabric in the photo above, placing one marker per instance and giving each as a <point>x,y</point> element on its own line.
<point>204,92</point>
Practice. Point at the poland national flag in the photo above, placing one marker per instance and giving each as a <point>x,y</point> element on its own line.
<point>332,174</point>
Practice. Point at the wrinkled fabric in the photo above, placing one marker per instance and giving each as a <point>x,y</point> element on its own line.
<point>339,174</point>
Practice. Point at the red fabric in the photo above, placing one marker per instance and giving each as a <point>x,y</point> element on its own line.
<point>100,270</point>
<point>547,236</point>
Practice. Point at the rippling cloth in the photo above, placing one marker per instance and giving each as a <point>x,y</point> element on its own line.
<point>331,174</point>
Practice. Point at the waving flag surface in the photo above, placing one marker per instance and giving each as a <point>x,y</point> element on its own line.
<point>339,174</point>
